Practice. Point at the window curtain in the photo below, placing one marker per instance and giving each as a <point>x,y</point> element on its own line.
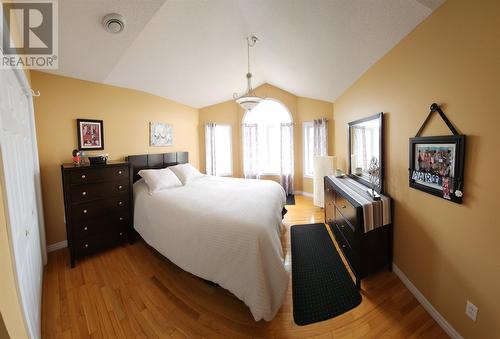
<point>210,148</point>
<point>320,131</point>
<point>250,151</point>
<point>359,152</point>
<point>286,157</point>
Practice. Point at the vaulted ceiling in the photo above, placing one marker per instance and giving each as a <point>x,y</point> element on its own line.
<point>194,51</point>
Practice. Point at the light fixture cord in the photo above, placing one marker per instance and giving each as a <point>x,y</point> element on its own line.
<point>249,75</point>
<point>251,40</point>
<point>248,53</point>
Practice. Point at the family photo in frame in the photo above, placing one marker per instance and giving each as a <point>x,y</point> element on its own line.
<point>90,134</point>
<point>436,165</point>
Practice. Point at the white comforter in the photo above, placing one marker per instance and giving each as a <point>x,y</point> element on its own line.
<point>225,230</point>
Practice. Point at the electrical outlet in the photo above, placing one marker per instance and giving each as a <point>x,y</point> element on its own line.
<point>471,310</point>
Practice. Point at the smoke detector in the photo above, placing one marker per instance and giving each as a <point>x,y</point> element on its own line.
<point>114,23</point>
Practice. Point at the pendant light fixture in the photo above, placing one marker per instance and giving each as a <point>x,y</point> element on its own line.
<point>248,100</point>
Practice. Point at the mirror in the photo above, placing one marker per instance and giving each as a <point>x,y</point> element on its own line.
<point>365,151</point>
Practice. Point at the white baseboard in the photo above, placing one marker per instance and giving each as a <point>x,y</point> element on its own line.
<point>57,246</point>
<point>445,325</point>
<point>306,194</point>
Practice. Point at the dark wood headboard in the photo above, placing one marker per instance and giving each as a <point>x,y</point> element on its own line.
<point>155,161</point>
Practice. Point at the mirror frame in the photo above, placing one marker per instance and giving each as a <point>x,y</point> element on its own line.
<point>379,116</point>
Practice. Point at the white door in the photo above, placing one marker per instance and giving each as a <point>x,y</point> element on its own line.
<point>18,160</point>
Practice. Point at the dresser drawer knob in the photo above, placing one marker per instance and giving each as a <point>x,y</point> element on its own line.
<point>85,228</point>
<point>121,218</point>
<point>84,211</point>
<point>120,172</point>
<point>83,176</point>
<point>121,233</point>
<point>120,203</point>
<point>84,193</point>
<point>120,187</point>
<point>343,245</point>
<point>86,245</point>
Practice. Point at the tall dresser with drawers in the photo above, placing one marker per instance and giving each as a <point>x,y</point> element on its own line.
<point>98,206</point>
<point>365,252</point>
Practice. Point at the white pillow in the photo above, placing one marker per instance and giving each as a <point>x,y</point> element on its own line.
<point>159,179</point>
<point>185,172</point>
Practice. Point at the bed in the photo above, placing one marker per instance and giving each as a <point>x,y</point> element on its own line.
<point>225,230</point>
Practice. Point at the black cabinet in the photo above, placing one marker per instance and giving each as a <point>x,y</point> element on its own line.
<point>98,206</point>
<point>366,252</point>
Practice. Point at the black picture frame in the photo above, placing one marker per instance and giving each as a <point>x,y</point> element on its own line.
<point>79,125</point>
<point>455,182</point>
<point>378,116</point>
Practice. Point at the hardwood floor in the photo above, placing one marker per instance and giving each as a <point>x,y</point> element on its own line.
<point>133,291</point>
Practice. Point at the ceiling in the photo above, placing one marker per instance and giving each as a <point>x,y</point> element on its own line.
<point>194,51</point>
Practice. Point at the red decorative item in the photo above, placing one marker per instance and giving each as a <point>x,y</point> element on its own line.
<point>76,157</point>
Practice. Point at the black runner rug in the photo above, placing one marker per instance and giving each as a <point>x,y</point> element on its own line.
<point>321,285</point>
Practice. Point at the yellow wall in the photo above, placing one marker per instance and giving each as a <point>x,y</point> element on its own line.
<point>449,251</point>
<point>302,109</point>
<point>126,114</point>
<point>308,110</point>
<point>223,113</point>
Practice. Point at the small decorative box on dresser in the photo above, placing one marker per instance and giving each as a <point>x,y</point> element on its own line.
<point>365,242</point>
<point>98,206</point>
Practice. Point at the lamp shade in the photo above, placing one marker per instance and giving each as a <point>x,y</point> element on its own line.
<point>322,166</point>
<point>248,102</point>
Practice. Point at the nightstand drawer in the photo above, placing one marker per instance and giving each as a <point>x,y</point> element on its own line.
<point>87,228</point>
<point>346,208</point>
<point>350,256</point>
<point>112,206</point>
<point>92,244</point>
<point>121,218</point>
<point>94,175</point>
<point>347,230</point>
<point>83,193</point>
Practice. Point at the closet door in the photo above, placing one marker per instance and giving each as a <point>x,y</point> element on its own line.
<point>18,163</point>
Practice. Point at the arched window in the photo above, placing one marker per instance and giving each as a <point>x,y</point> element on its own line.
<point>268,140</point>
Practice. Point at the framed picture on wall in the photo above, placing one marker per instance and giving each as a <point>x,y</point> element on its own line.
<point>437,165</point>
<point>160,134</point>
<point>90,134</point>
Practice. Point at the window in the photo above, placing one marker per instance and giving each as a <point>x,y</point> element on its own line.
<point>308,139</point>
<point>218,154</point>
<point>365,144</point>
<point>268,117</point>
